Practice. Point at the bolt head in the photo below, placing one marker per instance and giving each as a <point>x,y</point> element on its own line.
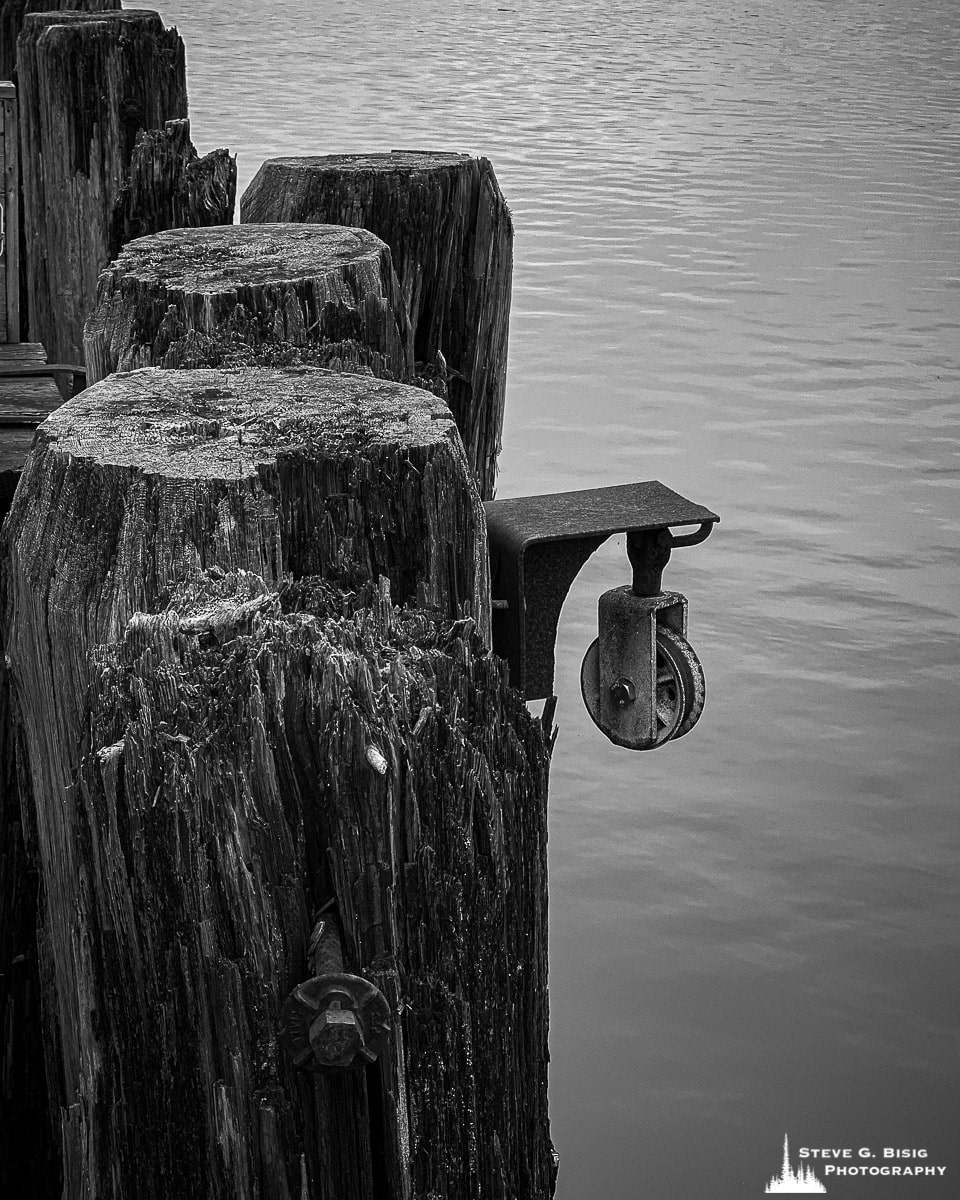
<point>623,692</point>
<point>336,1037</point>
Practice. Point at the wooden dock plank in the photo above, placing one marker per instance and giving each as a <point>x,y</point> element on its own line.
<point>28,353</point>
<point>28,401</point>
<point>25,401</point>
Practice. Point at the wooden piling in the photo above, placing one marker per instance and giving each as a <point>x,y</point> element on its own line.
<point>9,217</point>
<point>232,723</point>
<point>29,1158</point>
<point>13,12</point>
<point>235,295</point>
<point>91,84</point>
<point>451,236</point>
<point>29,1151</point>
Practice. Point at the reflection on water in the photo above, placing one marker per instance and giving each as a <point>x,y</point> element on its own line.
<point>736,271</point>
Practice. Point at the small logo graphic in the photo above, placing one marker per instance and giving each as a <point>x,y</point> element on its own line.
<point>794,1182</point>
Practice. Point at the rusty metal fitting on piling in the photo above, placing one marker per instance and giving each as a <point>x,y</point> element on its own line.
<point>334,1020</point>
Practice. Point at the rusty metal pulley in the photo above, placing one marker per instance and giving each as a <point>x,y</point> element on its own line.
<point>642,683</point>
<point>676,703</point>
<point>679,680</point>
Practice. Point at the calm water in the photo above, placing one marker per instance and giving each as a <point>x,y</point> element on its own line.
<point>737,261</point>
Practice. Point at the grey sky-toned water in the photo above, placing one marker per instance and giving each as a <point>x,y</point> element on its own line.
<point>737,270</point>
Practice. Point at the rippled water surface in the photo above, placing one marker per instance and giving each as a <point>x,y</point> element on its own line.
<point>737,266</point>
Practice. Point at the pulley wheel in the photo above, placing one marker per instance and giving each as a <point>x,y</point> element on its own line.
<point>676,661</point>
<point>680,688</point>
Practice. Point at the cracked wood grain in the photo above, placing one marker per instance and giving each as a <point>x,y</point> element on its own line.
<point>207,607</point>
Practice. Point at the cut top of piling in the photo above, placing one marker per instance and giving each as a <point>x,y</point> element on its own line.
<point>70,17</point>
<point>144,20</point>
<point>153,474</point>
<point>222,295</point>
<point>222,258</point>
<point>224,424</point>
<point>451,236</point>
<point>383,163</point>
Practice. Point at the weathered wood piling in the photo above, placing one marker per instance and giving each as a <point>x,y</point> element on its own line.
<point>10,219</point>
<point>234,295</point>
<point>451,236</point>
<point>246,688</point>
<point>29,1150</point>
<point>96,171</point>
<point>13,12</point>
<point>29,1162</point>
<point>12,15</point>
<point>92,85</point>
<point>231,725</point>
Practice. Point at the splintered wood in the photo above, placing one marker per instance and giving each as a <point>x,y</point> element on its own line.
<point>207,585</point>
<point>169,186</point>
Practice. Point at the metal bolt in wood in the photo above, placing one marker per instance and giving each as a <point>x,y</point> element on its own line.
<point>335,1019</point>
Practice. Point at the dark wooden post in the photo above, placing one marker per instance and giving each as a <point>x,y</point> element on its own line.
<point>29,1165</point>
<point>13,12</point>
<point>231,723</point>
<point>271,294</point>
<point>450,232</point>
<point>9,216</point>
<point>29,1151</point>
<point>90,85</point>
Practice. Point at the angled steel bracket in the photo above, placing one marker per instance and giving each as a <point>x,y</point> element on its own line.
<point>539,543</point>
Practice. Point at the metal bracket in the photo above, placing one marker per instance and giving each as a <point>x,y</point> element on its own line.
<point>539,543</point>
